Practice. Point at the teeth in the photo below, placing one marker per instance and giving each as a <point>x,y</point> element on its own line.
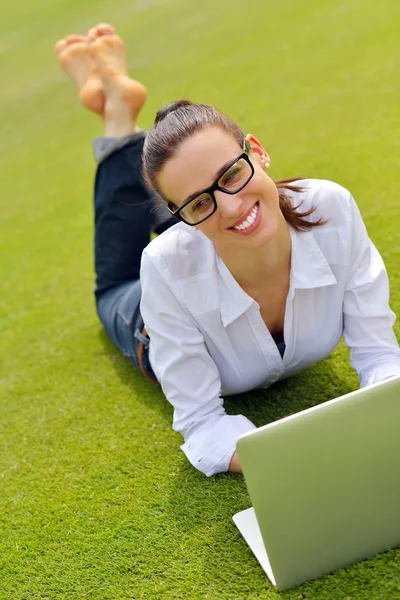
<point>249,221</point>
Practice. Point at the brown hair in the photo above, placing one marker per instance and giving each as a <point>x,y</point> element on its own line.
<point>178,121</point>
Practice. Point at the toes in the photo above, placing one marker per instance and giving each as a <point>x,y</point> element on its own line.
<point>112,41</point>
<point>74,39</point>
<point>60,46</point>
<point>91,34</point>
<point>100,30</point>
<point>69,40</point>
<point>105,29</point>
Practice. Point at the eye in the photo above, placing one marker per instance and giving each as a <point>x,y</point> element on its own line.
<point>231,176</point>
<point>202,204</point>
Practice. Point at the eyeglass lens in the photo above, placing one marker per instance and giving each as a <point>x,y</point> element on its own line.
<point>231,181</point>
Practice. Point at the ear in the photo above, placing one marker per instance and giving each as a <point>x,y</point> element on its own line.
<point>258,151</point>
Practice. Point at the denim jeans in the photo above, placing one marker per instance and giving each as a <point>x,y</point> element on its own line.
<point>123,207</point>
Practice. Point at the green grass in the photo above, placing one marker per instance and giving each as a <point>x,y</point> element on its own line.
<point>96,499</point>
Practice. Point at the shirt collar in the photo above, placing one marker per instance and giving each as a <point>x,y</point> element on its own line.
<point>309,269</point>
<point>233,300</point>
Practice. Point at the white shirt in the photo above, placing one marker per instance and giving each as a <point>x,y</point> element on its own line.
<point>208,338</point>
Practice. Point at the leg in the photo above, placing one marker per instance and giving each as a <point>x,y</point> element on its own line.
<point>122,211</point>
<point>122,230</point>
<point>77,55</point>
<point>122,217</point>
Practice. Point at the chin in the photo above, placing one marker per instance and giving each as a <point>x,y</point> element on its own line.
<point>267,231</point>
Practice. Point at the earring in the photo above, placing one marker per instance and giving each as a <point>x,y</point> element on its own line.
<point>267,164</point>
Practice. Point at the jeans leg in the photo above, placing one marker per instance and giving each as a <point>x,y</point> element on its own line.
<point>122,230</point>
<point>118,309</point>
<point>122,219</point>
<point>161,218</point>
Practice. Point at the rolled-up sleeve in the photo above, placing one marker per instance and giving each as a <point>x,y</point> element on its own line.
<point>368,320</point>
<point>188,375</point>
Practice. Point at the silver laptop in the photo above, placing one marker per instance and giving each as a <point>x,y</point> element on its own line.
<point>325,485</point>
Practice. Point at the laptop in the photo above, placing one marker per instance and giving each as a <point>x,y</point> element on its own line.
<point>324,484</point>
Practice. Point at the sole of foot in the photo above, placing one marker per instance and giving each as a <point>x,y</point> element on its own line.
<point>107,50</point>
<point>75,59</point>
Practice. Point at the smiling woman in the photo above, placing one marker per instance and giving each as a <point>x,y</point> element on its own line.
<point>251,280</point>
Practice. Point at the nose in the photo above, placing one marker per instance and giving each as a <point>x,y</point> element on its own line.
<point>230,206</point>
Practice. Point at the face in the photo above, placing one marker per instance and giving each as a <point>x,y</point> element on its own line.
<point>249,217</point>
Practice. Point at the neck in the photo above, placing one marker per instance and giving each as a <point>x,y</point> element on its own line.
<point>254,267</point>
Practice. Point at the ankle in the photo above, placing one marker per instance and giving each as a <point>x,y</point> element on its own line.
<point>118,121</point>
<point>116,130</point>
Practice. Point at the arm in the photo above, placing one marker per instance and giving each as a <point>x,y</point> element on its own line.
<point>188,375</point>
<point>368,320</point>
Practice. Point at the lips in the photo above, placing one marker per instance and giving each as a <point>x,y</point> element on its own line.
<point>244,217</point>
<point>252,224</point>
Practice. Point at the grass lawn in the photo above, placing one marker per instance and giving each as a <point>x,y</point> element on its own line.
<point>96,499</point>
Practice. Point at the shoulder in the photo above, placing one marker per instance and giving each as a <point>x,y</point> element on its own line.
<point>331,201</point>
<point>335,205</point>
<point>181,252</point>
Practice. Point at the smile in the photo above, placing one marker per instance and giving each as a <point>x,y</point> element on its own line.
<point>250,223</point>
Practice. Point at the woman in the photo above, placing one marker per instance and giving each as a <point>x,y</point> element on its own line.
<point>255,282</point>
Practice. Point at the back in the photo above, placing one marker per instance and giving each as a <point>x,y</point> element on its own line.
<point>325,483</point>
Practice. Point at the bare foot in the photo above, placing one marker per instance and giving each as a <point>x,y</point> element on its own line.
<point>73,54</point>
<point>124,97</point>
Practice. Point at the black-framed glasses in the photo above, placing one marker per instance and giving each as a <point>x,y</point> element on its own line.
<point>201,206</point>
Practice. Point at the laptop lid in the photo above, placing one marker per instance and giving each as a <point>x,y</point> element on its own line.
<point>325,483</point>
